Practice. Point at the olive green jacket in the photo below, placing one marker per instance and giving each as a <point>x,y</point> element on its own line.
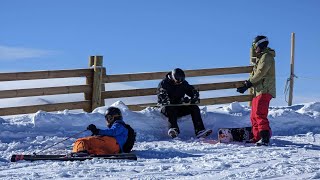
<point>263,75</point>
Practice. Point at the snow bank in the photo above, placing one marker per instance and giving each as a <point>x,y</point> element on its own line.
<point>295,141</point>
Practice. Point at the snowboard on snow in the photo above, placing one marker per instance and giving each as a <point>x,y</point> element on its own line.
<point>72,157</point>
<point>227,135</point>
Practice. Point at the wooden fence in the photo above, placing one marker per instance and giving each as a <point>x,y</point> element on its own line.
<point>94,89</point>
<point>45,91</point>
<point>189,73</point>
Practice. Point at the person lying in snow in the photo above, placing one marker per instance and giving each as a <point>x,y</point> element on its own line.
<point>117,138</point>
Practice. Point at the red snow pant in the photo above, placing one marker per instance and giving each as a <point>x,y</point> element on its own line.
<point>259,114</point>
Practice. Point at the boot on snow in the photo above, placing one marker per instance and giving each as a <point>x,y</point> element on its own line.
<point>173,132</point>
<point>265,138</point>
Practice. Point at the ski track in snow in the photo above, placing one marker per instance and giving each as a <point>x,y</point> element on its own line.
<point>293,154</point>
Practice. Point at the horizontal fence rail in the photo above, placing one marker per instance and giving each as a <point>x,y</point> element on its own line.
<point>189,73</point>
<point>208,101</point>
<point>45,91</point>
<point>152,91</point>
<point>46,107</point>
<point>45,74</point>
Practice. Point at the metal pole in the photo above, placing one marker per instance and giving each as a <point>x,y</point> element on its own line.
<point>60,141</point>
<point>291,69</point>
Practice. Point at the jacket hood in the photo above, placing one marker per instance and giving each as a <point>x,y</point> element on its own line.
<point>270,51</point>
<point>168,76</point>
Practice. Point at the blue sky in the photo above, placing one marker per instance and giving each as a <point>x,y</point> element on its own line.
<point>146,36</point>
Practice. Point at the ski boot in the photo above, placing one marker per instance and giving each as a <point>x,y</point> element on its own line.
<point>265,138</point>
<point>173,132</point>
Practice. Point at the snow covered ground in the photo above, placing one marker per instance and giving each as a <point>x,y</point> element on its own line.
<point>294,153</point>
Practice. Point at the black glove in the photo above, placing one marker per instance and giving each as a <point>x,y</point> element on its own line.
<point>93,129</point>
<point>163,97</point>
<point>185,100</point>
<point>246,85</point>
<point>196,97</point>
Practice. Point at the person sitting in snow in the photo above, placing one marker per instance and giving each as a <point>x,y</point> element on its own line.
<point>115,139</point>
<point>262,80</point>
<point>171,94</point>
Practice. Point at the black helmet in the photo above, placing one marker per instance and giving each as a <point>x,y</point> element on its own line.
<point>113,114</point>
<point>178,75</point>
<point>261,42</point>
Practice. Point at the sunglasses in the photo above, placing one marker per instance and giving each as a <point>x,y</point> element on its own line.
<point>254,46</point>
<point>110,117</point>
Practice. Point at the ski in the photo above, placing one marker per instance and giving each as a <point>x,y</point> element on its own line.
<point>71,157</point>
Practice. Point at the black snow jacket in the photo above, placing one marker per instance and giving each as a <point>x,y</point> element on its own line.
<point>176,92</point>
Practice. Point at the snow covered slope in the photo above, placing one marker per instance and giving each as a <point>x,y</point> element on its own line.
<point>294,154</point>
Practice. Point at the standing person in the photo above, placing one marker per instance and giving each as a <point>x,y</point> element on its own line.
<point>171,94</point>
<point>116,138</point>
<point>262,80</point>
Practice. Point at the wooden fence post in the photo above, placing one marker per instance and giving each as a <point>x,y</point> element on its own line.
<point>103,87</point>
<point>97,82</point>
<point>99,63</point>
<point>291,69</point>
<point>89,81</point>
